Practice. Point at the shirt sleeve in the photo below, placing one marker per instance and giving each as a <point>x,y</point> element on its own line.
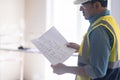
<point>99,53</point>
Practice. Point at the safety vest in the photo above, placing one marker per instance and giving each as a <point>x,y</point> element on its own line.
<point>110,24</point>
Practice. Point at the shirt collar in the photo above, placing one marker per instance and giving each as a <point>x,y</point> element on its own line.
<point>104,13</point>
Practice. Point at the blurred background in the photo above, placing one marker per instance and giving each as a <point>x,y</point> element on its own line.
<point>23,20</point>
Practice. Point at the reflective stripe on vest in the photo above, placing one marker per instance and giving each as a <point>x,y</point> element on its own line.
<point>109,23</point>
<point>114,58</point>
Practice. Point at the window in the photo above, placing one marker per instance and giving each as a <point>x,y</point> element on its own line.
<point>67,18</point>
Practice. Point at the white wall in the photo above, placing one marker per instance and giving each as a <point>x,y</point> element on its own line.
<point>35,16</point>
<point>34,64</point>
<point>21,19</point>
<point>11,22</point>
<point>11,18</point>
<point>115,5</point>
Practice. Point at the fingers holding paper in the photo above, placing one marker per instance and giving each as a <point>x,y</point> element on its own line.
<point>59,68</point>
<point>74,46</point>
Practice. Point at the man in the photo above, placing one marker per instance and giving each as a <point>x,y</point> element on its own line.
<point>99,52</point>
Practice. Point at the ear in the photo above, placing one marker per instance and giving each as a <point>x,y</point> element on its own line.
<point>97,5</point>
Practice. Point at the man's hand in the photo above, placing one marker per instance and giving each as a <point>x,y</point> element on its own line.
<point>62,69</point>
<point>74,46</point>
<point>59,68</point>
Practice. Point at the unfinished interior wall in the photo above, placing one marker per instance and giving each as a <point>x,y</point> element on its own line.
<point>34,67</point>
<point>11,18</point>
<point>35,12</point>
<point>21,20</point>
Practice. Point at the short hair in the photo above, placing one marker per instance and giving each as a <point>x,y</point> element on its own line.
<point>103,2</point>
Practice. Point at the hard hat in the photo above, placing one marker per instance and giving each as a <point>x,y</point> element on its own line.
<point>81,1</point>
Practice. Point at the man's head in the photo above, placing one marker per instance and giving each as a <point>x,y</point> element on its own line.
<point>103,2</point>
<point>91,8</point>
